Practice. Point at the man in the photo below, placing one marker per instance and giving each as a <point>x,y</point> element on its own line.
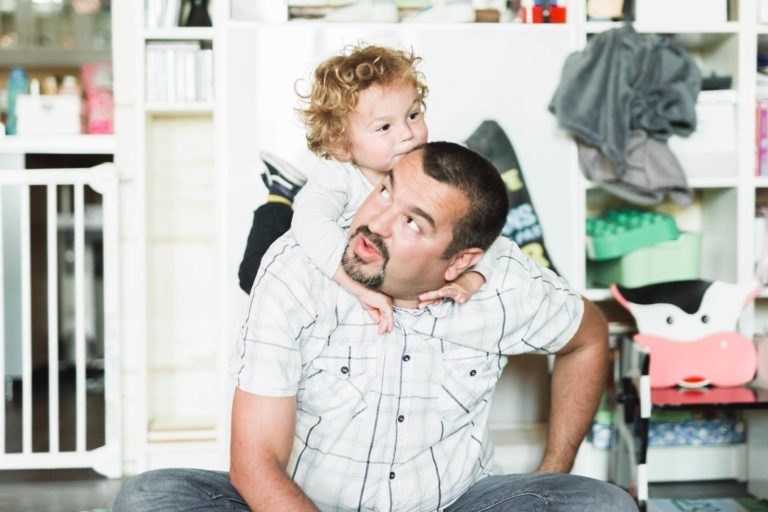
<point>330,415</point>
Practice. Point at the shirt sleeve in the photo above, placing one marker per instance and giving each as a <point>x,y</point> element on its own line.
<point>523,308</point>
<point>266,360</point>
<point>317,209</point>
<point>485,266</point>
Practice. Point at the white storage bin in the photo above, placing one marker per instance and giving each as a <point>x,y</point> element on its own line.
<point>681,12</point>
<point>712,149</point>
<point>48,115</point>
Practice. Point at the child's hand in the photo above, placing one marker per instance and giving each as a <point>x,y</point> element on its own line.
<point>379,306</point>
<point>459,290</point>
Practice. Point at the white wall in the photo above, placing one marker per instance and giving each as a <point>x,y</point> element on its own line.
<point>502,72</point>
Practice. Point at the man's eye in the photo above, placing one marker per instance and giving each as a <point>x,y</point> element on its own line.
<point>384,192</point>
<point>412,224</point>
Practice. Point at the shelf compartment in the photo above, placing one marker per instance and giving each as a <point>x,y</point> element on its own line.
<point>712,212</point>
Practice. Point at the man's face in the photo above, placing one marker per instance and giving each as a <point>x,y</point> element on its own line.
<point>401,231</point>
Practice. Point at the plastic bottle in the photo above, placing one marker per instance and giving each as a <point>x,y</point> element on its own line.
<point>17,84</point>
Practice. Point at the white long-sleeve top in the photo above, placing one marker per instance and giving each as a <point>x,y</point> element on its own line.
<point>323,211</point>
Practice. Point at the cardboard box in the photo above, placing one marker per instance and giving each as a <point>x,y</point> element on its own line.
<point>48,115</point>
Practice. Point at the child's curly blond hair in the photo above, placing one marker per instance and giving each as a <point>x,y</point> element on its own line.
<point>335,87</point>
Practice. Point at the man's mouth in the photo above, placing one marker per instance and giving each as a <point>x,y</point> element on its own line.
<point>365,250</point>
<point>369,246</point>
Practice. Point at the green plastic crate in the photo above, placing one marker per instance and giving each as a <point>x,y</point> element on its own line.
<point>619,232</point>
<point>673,260</point>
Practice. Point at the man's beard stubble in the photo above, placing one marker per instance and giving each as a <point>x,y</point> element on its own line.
<point>354,266</point>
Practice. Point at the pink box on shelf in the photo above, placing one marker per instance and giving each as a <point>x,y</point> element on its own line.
<point>98,107</point>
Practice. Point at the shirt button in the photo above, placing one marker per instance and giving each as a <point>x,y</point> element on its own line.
<point>344,370</point>
<point>392,475</point>
<point>401,418</point>
<point>406,358</point>
<point>473,373</point>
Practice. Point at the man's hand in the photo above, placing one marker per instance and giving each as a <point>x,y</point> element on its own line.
<point>458,290</point>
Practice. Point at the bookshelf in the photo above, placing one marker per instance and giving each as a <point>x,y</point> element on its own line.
<point>175,407</point>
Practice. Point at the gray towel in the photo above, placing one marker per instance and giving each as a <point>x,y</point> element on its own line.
<point>625,81</point>
<point>652,171</point>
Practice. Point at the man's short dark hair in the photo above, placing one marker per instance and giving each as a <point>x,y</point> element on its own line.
<point>477,178</point>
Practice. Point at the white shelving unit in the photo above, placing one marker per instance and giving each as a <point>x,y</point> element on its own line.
<point>506,72</point>
<point>176,407</point>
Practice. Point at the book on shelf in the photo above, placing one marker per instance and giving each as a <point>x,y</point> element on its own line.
<point>761,137</point>
<point>178,72</point>
<point>162,13</point>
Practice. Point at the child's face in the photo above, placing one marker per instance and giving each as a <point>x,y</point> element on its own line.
<point>386,124</point>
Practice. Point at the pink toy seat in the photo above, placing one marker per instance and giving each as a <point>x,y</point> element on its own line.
<point>722,359</point>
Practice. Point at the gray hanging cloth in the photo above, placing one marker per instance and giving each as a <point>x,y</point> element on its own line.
<point>623,82</point>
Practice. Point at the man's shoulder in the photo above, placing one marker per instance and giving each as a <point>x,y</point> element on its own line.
<point>288,261</point>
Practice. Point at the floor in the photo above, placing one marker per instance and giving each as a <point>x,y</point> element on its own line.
<point>56,491</point>
<point>71,490</point>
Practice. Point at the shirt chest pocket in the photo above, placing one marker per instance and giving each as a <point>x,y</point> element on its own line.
<point>469,377</point>
<point>339,381</point>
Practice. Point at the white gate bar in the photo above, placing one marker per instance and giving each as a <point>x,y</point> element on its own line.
<point>80,317</point>
<point>111,463</point>
<point>53,318</point>
<point>3,341</point>
<point>104,180</point>
<point>26,325</point>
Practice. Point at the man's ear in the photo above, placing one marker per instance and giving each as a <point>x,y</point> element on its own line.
<point>463,260</point>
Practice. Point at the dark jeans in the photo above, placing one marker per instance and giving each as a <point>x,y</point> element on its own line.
<point>270,222</point>
<point>177,490</point>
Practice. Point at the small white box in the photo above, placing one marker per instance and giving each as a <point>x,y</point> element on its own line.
<point>712,149</point>
<point>681,12</point>
<point>48,115</point>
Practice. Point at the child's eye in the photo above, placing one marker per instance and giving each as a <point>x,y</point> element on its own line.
<point>414,115</point>
<point>384,128</point>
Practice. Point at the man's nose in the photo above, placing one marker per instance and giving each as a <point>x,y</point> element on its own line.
<point>382,222</point>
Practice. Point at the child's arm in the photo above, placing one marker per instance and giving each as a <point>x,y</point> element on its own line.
<point>468,283</point>
<point>377,304</point>
<point>459,290</point>
<point>325,204</point>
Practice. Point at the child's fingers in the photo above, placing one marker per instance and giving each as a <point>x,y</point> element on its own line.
<point>387,318</point>
<point>434,295</point>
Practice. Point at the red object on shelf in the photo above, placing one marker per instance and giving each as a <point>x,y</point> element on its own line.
<point>556,14</point>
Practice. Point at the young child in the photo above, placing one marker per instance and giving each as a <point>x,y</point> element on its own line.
<point>364,111</point>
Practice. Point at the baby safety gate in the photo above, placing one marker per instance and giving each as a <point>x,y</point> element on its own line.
<point>59,350</point>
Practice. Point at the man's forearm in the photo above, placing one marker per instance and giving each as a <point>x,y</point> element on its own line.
<point>578,380</point>
<point>270,489</point>
<point>260,446</point>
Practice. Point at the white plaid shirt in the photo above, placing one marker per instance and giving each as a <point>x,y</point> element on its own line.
<point>396,421</point>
